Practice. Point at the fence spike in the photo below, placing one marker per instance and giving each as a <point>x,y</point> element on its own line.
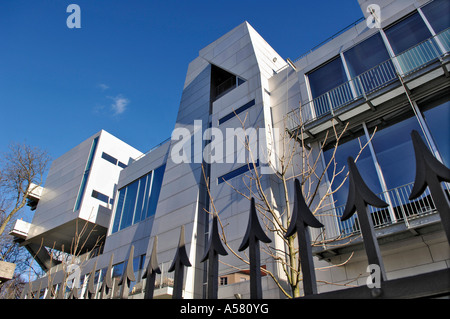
<point>214,248</point>
<point>73,293</point>
<point>61,288</point>
<point>128,276</point>
<point>91,287</point>
<point>252,237</point>
<point>359,196</point>
<point>181,259</point>
<point>107,280</point>
<point>151,271</point>
<point>430,172</point>
<point>301,218</point>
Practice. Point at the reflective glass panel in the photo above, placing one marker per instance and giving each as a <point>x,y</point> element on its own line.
<point>438,122</point>
<point>327,77</point>
<point>395,152</point>
<point>158,175</point>
<point>364,163</point>
<point>128,208</point>
<point>119,209</point>
<point>366,55</point>
<point>437,14</point>
<point>407,33</point>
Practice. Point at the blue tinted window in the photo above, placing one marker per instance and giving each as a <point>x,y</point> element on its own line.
<point>238,171</point>
<point>437,14</point>
<point>438,121</point>
<point>109,158</point>
<point>364,163</point>
<point>237,111</point>
<point>100,196</point>
<point>395,152</point>
<point>120,164</point>
<point>156,189</point>
<point>86,174</point>
<point>327,77</point>
<point>119,209</point>
<point>140,199</point>
<point>366,55</point>
<point>407,33</point>
<point>128,208</point>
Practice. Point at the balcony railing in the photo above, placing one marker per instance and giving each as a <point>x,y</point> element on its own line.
<point>400,211</point>
<point>374,79</point>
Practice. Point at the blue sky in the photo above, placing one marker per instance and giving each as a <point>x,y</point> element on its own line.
<point>123,71</point>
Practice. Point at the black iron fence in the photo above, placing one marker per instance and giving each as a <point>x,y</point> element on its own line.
<point>430,173</point>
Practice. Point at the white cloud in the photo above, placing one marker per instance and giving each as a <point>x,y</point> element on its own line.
<point>103,86</point>
<point>120,104</point>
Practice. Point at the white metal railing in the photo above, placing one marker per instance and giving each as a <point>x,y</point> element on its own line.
<point>372,80</point>
<point>401,210</point>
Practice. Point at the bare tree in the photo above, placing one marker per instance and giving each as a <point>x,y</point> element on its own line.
<point>294,160</point>
<point>22,170</point>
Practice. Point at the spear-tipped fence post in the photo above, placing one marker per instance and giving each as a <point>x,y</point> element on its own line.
<point>301,218</point>
<point>359,196</point>
<point>151,271</point>
<point>128,276</point>
<point>180,261</point>
<point>214,248</point>
<point>252,237</point>
<point>107,283</point>
<point>91,287</point>
<point>430,172</point>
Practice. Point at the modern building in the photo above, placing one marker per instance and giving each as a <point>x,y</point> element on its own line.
<point>388,71</point>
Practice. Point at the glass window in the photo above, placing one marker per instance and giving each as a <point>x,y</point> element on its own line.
<point>370,61</point>
<point>109,158</point>
<point>327,77</point>
<point>407,33</point>
<point>331,79</point>
<point>364,163</point>
<point>437,14</point>
<point>100,196</point>
<point>366,55</point>
<point>120,164</point>
<point>438,122</point>
<point>129,205</point>
<point>395,152</point>
<point>238,171</point>
<point>87,170</point>
<point>237,111</point>
<point>155,190</point>
<point>119,209</point>
<point>138,200</point>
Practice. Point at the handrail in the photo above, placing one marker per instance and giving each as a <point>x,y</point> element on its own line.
<point>375,78</point>
<point>404,210</point>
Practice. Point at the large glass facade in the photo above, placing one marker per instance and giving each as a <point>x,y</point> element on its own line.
<point>370,62</point>
<point>437,14</point>
<point>87,171</point>
<point>393,152</point>
<point>364,163</point>
<point>328,89</point>
<point>407,33</point>
<point>366,55</point>
<point>138,200</point>
<point>438,122</point>
<point>327,77</point>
